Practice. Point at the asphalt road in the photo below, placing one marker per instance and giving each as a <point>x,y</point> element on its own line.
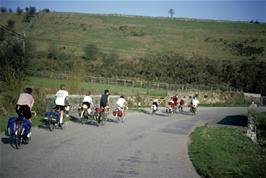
<point>144,146</point>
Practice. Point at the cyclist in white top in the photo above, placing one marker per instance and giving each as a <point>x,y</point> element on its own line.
<point>195,102</point>
<point>122,104</point>
<point>87,100</point>
<point>61,101</point>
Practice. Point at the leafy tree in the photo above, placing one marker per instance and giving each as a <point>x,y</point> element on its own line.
<point>171,12</point>
<point>15,64</point>
<point>32,10</point>
<point>260,80</point>
<point>19,10</point>
<point>26,9</point>
<point>46,10</point>
<point>3,10</point>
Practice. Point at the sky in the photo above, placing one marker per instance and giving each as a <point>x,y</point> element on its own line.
<point>233,10</point>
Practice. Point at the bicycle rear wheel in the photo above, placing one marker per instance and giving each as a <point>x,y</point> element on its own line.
<point>18,141</point>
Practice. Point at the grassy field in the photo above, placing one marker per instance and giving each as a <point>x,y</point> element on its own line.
<point>95,88</point>
<point>226,152</point>
<point>131,37</point>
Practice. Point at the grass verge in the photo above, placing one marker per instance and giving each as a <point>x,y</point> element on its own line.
<point>226,152</point>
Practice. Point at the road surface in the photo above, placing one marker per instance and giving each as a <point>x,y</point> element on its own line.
<point>144,146</point>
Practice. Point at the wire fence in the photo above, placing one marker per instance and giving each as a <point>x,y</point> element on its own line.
<point>155,85</point>
<point>143,84</point>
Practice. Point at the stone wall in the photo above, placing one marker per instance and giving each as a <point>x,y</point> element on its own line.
<point>76,100</point>
<point>205,97</point>
<point>252,128</point>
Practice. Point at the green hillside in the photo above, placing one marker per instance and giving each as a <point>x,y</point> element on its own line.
<point>131,37</point>
<point>174,51</point>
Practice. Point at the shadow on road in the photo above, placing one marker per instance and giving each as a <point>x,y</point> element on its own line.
<point>77,120</point>
<point>185,113</point>
<point>90,121</point>
<point>5,140</point>
<point>160,114</point>
<point>234,120</point>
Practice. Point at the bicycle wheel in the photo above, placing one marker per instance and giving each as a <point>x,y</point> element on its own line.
<point>101,118</point>
<point>82,120</point>
<point>51,124</point>
<point>18,141</point>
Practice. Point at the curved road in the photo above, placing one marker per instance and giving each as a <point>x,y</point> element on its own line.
<point>144,146</point>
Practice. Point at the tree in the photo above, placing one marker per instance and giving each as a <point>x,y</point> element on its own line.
<point>46,10</point>
<point>171,12</point>
<point>26,9</point>
<point>19,10</point>
<point>32,10</point>
<point>10,10</point>
<point>3,10</point>
<point>15,64</point>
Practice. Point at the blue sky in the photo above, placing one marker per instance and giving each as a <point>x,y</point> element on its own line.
<point>235,10</point>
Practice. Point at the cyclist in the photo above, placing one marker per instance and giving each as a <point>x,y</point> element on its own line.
<point>122,104</point>
<point>24,108</point>
<point>25,103</point>
<point>87,100</point>
<point>61,101</point>
<point>104,99</point>
<point>194,102</point>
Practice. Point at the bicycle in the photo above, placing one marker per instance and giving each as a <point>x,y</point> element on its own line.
<point>119,114</point>
<point>19,131</point>
<point>53,119</point>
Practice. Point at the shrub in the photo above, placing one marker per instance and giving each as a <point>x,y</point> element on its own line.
<point>11,24</point>
<point>91,52</point>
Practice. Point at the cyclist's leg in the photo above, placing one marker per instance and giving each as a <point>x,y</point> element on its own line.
<point>61,115</point>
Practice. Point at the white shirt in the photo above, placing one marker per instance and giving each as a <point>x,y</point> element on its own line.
<point>87,99</point>
<point>60,97</point>
<point>121,102</point>
<point>195,102</point>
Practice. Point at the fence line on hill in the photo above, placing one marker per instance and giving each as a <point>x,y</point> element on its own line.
<point>155,85</point>
<point>145,84</point>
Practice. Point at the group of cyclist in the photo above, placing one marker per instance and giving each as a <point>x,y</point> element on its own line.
<point>121,103</point>
<point>25,103</point>
<point>175,102</point>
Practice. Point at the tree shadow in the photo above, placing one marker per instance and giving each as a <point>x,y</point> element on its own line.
<point>234,120</point>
